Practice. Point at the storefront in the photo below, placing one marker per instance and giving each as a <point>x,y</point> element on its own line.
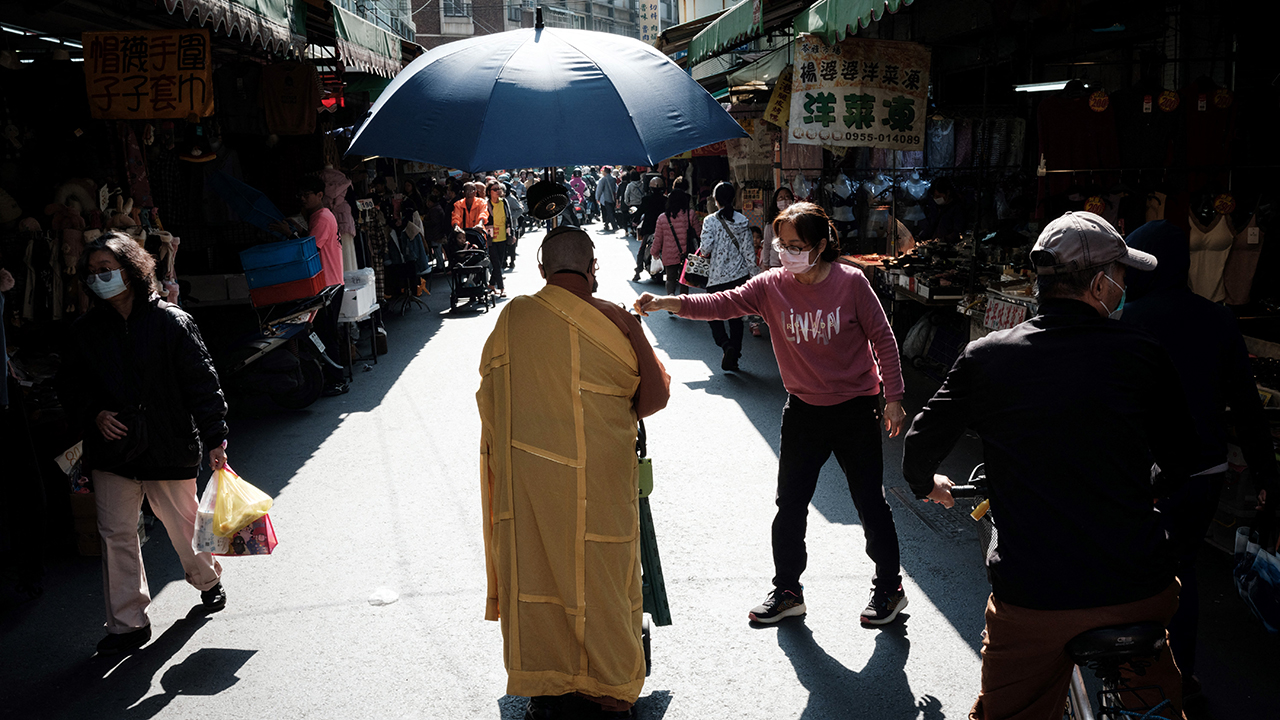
<point>126,122</point>
<point>941,136</point>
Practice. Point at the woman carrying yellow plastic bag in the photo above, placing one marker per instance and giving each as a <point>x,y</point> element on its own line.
<point>238,503</point>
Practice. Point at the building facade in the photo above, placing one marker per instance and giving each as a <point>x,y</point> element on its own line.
<point>441,21</point>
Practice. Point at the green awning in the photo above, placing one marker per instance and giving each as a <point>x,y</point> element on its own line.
<point>269,23</point>
<point>834,20</point>
<point>737,25</point>
<point>365,46</point>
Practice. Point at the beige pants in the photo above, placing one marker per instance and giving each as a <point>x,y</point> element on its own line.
<point>349,263</point>
<point>124,580</point>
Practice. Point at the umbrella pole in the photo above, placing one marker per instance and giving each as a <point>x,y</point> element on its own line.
<point>555,221</point>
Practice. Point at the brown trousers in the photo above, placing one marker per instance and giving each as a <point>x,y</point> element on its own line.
<point>1025,668</point>
<point>124,579</point>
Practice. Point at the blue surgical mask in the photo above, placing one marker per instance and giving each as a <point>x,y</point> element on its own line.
<point>107,284</point>
<point>1115,314</point>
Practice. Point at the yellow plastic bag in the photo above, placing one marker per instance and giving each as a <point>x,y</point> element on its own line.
<point>238,504</point>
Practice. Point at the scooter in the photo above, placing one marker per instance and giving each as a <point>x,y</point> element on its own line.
<point>284,359</point>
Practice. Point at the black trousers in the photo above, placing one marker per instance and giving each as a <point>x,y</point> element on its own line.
<point>732,338</point>
<point>606,212</point>
<point>326,327</point>
<point>498,258</point>
<point>810,434</point>
<point>1186,516</point>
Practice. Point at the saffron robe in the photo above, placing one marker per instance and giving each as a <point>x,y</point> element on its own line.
<point>559,488</point>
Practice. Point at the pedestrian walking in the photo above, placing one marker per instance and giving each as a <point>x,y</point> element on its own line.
<point>653,204</point>
<point>571,606</point>
<point>1072,406</point>
<point>726,240</point>
<point>632,196</point>
<point>782,199</point>
<point>834,349</point>
<point>501,233</point>
<point>607,196</point>
<point>674,237</point>
<point>139,384</point>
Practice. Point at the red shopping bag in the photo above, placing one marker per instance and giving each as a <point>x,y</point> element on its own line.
<point>259,538</point>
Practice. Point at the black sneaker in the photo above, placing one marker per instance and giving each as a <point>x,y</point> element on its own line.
<point>729,362</point>
<point>117,643</point>
<point>213,599</point>
<point>780,604</point>
<point>884,607</point>
<point>335,389</point>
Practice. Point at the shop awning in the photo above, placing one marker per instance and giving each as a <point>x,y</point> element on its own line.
<point>365,46</point>
<point>739,25</point>
<point>266,22</point>
<point>834,20</point>
<point>677,37</point>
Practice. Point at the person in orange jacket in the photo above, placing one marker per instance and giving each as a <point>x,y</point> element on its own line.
<point>470,211</point>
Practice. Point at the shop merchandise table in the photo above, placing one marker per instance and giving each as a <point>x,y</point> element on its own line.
<point>349,350</point>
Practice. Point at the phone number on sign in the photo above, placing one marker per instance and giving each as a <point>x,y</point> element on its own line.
<point>861,137</point>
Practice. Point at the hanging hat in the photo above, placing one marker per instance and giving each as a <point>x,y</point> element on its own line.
<point>196,148</point>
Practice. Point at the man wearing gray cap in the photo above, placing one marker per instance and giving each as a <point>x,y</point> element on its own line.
<point>1072,407</point>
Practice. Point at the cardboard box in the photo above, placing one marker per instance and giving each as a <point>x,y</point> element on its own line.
<point>356,302</point>
<point>206,288</point>
<point>237,287</point>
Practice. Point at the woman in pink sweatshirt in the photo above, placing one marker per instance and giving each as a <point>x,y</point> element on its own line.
<point>835,349</point>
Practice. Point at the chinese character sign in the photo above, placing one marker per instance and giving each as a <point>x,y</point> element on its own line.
<point>778,111</point>
<point>865,93</point>
<point>149,73</point>
<point>650,28</point>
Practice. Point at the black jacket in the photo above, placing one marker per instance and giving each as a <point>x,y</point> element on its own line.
<point>1071,407</point>
<point>157,360</point>
<point>1206,347</point>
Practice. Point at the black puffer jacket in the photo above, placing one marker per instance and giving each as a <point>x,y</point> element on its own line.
<point>157,360</point>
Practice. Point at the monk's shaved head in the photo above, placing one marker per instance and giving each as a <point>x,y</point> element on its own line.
<point>567,248</point>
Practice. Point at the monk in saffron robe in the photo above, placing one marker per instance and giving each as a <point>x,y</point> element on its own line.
<point>565,377</point>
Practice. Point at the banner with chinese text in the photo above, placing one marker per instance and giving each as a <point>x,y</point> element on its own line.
<point>778,111</point>
<point>864,93</point>
<point>146,74</point>
<point>650,22</point>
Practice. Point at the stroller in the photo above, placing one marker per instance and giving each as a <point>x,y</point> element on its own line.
<point>469,275</point>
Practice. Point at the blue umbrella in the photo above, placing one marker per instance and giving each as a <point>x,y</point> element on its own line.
<point>542,97</point>
<point>247,202</point>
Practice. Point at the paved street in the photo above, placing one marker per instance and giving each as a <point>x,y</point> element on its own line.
<point>379,490</point>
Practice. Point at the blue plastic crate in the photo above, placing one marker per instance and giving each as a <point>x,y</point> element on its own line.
<point>280,262</point>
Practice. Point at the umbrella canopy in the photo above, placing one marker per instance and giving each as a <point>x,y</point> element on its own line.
<point>542,97</point>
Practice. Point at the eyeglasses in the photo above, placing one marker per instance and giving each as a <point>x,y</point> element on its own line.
<point>104,276</point>
<point>793,252</point>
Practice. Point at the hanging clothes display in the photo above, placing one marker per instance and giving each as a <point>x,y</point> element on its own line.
<point>1210,121</point>
<point>290,95</point>
<point>1242,263</point>
<point>941,150</point>
<point>1210,247</point>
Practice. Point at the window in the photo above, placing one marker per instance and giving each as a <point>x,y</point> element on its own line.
<point>457,8</point>
<point>514,12</point>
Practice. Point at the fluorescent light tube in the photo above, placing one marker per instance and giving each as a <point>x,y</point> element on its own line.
<point>1042,87</point>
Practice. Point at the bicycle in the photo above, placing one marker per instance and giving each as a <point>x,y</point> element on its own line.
<point>1104,650</point>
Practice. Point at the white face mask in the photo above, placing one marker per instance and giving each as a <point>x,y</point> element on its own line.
<point>107,284</point>
<point>783,204</point>
<point>797,264</point>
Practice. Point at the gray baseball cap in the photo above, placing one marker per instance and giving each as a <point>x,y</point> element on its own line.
<point>1081,240</point>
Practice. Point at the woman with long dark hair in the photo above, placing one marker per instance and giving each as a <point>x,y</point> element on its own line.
<point>835,350</point>
<point>782,199</point>
<point>675,235</point>
<point>139,384</point>
<point>727,241</point>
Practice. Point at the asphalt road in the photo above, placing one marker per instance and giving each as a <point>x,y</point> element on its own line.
<point>377,495</point>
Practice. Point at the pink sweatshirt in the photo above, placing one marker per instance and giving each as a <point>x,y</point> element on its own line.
<point>823,334</point>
